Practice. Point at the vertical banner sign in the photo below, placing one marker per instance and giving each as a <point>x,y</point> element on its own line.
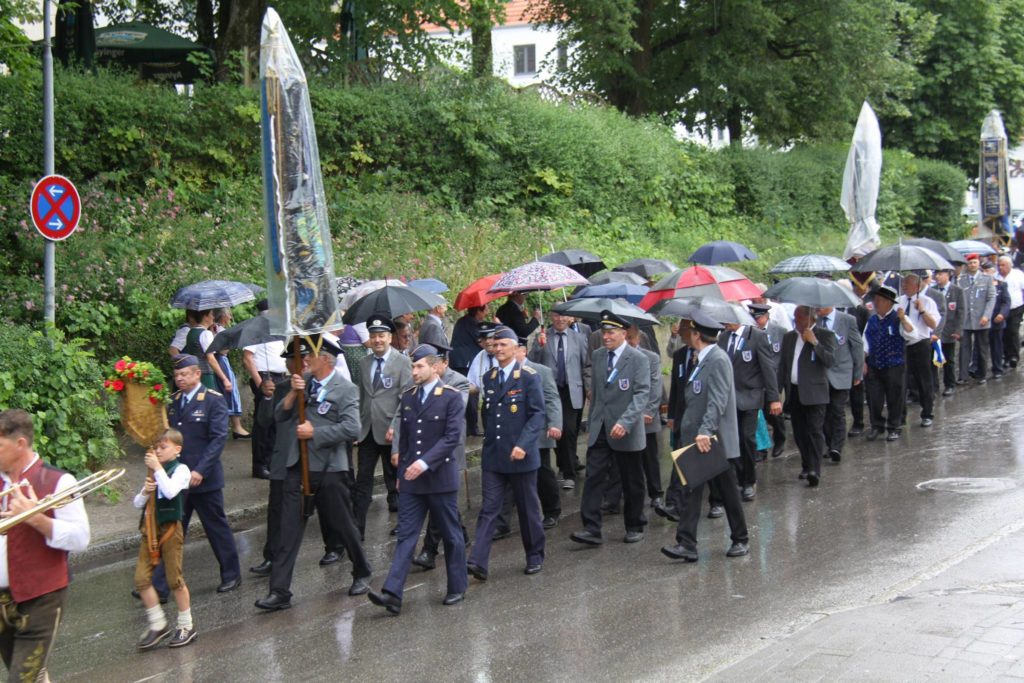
<point>301,289</point>
<point>993,179</point>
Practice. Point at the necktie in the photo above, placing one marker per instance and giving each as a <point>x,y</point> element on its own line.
<point>377,373</point>
<point>184,402</point>
<point>423,394</point>
<point>314,388</point>
<point>732,342</point>
<point>561,378</point>
<point>501,380</point>
<point>611,363</point>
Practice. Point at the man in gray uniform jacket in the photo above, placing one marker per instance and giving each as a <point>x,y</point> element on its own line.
<point>952,310</point>
<point>979,301</point>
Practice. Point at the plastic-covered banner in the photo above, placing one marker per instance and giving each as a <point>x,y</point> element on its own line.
<point>860,185</point>
<point>993,188</point>
<point>300,267</point>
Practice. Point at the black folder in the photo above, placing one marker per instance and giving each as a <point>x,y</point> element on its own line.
<point>695,468</point>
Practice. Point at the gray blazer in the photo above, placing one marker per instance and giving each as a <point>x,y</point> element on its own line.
<point>940,304</point>
<point>335,421</point>
<point>710,398</point>
<point>577,362</point>
<point>657,393</point>
<point>849,363</point>
<point>552,403</point>
<point>620,399</point>
<point>754,368</point>
<point>378,408</point>
<point>979,300</point>
<point>812,372</point>
<point>432,332</point>
<point>952,310</point>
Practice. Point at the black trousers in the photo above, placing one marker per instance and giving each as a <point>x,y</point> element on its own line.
<point>808,431</point>
<point>777,423</point>
<point>274,522</point>
<point>746,471</point>
<point>995,344</point>
<point>949,369</point>
<point>601,458</point>
<point>919,375</point>
<point>974,353</point>
<point>835,419</point>
<point>547,490</point>
<point>264,429</point>
<point>885,397</point>
<point>209,505</point>
<point>566,457</point>
<point>369,453</point>
<point>651,470</point>
<point>688,502</point>
<point>1011,336</point>
<point>330,486</point>
<point>857,399</point>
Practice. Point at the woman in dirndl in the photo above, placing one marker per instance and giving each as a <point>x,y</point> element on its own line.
<point>226,382</point>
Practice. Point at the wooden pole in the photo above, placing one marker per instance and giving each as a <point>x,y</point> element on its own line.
<point>301,407</point>
<point>152,540</point>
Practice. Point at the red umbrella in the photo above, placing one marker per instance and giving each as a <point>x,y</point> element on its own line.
<point>477,294</point>
<point>713,281</point>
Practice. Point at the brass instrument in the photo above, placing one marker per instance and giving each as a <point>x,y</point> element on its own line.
<point>59,499</point>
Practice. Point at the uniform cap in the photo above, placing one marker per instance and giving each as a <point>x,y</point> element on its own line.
<point>610,321</point>
<point>184,360</point>
<point>378,322</point>
<point>424,350</point>
<point>502,332</point>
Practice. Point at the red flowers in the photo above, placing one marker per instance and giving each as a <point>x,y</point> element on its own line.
<point>127,371</point>
<point>120,365</point>
<point>157,387</point>
<point>117,385</point>
<point>152,399</point>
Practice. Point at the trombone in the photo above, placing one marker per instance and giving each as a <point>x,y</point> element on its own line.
<point>59,499</point>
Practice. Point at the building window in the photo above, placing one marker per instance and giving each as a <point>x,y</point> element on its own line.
<point>525,60</point>
<point>562,57</point>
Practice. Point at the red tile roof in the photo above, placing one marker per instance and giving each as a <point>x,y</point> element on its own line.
<point>517,13</point>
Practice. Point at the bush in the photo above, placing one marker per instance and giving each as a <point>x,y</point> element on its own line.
<point>61,384</point>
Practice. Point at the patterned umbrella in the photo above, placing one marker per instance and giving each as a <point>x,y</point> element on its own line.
<point>538,276</point>
<point>345,284</point>
<point>202,296</point>
<point>582,261</point>
<point>721,251</point>
<point>647,267</point>
<point>617,276</point>
<point>478,293</point>
<point>810,263</point>
<point>717,282</point>
<point>972,247</point>
<point>612,290</point>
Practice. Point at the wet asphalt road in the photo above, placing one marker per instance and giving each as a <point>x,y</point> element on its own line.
<point>619,612</point>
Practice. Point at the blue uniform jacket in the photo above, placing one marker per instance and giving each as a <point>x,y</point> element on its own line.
<point>515,417</point>
<point>430,431</point>
<point>204,424</point>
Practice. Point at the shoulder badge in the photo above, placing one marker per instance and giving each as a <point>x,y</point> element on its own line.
<point>531,371</point>
<point>494,373</point>
<point>215,392</point>
<point>438,391</point>
<point>411,389</point>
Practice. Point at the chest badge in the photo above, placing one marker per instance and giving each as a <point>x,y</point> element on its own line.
<point>776,347</point>
<point>513,409</point>
<point>386,382</point>
<point>624,384</point>
<point>952,305</point>
<point>748,356</point>
<point>323,408</point>
<point>697,386</point>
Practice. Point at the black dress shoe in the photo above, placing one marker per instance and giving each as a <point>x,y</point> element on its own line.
<point>532,569</point>
<point>747,494</point>
<point>262,569</point>
<point>633,537</point>
<point>476,571</point>
<point>656,502</point>
<point>162,597</point>
<point>229,586</point>
<point>152,637</point>
<point>240,437</point>
<point>386,600</point>
<point>668,512</point>
<point>329,558</point>
<point>802,475</point>
<point>778,448</point>
<point>835,455</point>
<point>586,538</point>
<point>425,560</point>
<point>274,602</point>
<point>737,550</point>
<point>716,511</point>
<point>813,479</point>
<point>873,434</point>
<point>892,436</point>
<point>394,531</point>
<point>549,522</point>
<point>360,586</point>
<point>855,431</point>
<point>679,552</point>
<point>981,380</point>
<point>453,599</point>
<point>499,534</point>
<point>261,474</point>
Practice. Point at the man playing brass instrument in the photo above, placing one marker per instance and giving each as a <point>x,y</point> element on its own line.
<point>33,555</point>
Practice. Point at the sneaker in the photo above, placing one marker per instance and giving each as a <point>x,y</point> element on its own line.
<point>182,637</point>
<point>153,636</point>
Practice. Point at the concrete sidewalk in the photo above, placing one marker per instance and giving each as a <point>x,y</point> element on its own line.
<point>961,619</point>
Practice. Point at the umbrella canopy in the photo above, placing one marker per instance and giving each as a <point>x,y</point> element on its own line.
<point>345,284</point>
<point>717,282</point>
<point>612,290</point>
<point>247,333</point>
<point>941,248</point>
<point>432,285</point>
<point>812,291</point>
<point>810,263</point>
<point>972,247</point>
<point>538,275</point>
<point>202,296</point>
<point>591,309</point>
<point>647,267</point>
<point>583,262</point>
<point>617,276</point>
<point>359,291</point>
<point>157,54</point>
<point>901,257</point>
<point>392,301</point>
<point>478,293</point>
<point>861,179</point>
<point>721,251</point>
<point>725,312</point>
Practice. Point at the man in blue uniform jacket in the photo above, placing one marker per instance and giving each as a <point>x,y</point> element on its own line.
<point>514,410</point>
<point>431,416</point>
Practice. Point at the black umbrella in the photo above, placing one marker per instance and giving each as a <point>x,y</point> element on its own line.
<point>583,262</point>
<point>591,309</point>
<point>941,248</point>
<point>812,291</point>
<point>391,301</point>
<point>721,251</point>
<point>901,257</point>
<point>647,267</point>
<point>247,333</point>
<point>718,310</point>
<point>616,276</point>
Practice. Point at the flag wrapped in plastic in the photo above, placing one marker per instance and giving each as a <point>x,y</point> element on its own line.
<point>860,185</point>
<point>993,191</point>
<point>300,268</point>
<point>938,357</point>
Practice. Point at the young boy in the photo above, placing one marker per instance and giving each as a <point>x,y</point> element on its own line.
<point>170,481</point>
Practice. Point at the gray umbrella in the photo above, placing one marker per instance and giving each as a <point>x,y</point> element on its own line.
<point>941,248</point>
<point>647,267</point>
<point>724,312</point>
<point>810,263</point>
<point>901,257</point>
<point>812,291</point>
<point>607,276</point>
<point>590,309</point>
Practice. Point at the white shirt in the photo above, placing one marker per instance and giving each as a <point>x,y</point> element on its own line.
<point>735,342</point>
<point>1015,286</point>
<point>482,363</point>
<point>916,317</point>
<point>70,524</point>
<point>793,374</point>
<point>781,314</point>
<point>618,354</point>
<point>268,357</point>
<point>180,335</point>
<point>167,487</point>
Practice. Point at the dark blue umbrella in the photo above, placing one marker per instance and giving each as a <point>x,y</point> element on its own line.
<point>202,296</point>
<point>612,290</point>
<point>721,251</point>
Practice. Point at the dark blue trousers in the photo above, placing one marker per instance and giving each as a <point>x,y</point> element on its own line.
<point>209,505</point>
<point>531,527</point>
<point>444,510</point>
